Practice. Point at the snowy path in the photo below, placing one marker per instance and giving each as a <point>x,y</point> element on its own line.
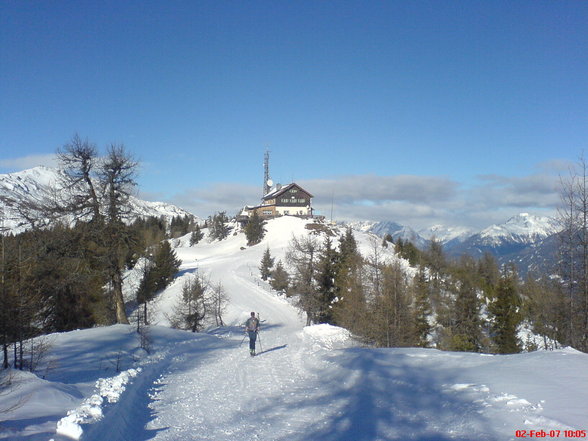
<point>304,390</point>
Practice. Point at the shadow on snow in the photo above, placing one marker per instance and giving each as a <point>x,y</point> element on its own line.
<point>376,395</point>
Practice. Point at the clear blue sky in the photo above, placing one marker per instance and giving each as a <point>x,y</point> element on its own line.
<point>415,111</point>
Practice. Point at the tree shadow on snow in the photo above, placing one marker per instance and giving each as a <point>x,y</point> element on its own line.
<point>373,395</point>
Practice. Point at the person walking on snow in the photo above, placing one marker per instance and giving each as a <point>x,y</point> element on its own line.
<point>252,327</point>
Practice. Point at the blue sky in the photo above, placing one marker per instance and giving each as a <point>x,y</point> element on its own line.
<point>419,112</point>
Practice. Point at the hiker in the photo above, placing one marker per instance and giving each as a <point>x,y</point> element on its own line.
<point>252,327</point>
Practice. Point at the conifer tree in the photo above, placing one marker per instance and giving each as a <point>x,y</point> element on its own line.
<point>407,250</point>
<point>279,278</point>
<point>190,312</point>
<point>350,307</point>
<point>466,327</point>
<point>145,292</point>
<point>505,314</point>
<point>422,309</point>
<point>196,235</point>
<point>165,265</point>
<point>254,230</point>
<point>489,274</point>
<point>218,227</point>
<point>267,263</point>
<point>325,280</point>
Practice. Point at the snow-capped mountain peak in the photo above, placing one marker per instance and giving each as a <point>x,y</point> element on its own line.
<point>40,182</point>
<point>523,228</point>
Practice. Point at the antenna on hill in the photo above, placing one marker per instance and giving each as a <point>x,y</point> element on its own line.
<point>332,203</point>
<point>267,181</point>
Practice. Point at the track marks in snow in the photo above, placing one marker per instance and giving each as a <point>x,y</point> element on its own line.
<point>524,413</point>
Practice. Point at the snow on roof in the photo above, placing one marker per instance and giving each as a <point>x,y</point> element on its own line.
<point>278,190</point>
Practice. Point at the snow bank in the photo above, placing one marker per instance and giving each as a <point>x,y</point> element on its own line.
<point>90,410</point>
<point>325,336</point>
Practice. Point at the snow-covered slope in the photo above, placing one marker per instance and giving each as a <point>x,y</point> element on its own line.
<point>306,384</point>
<point>38,183</point>
<point>445,234</point>
<point>394,229</point>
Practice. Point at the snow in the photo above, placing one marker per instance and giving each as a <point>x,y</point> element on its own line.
<point>39,183</point>
<point>524,228</point>
<point>305,384</point>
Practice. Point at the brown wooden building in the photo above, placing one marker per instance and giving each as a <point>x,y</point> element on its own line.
<point>288,200</point>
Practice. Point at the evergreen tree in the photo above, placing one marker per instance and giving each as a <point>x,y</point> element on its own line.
<point>279,278</point>
<point>165,265</point>
<point>466,327</point>
<point>146,291</point>
<point>254,230</point>
<point>190,312</point>
<point>196,236</point>
<point>505,314</point>
<point>267,262</point>
<point>218,227</point>
<point>489,274</point>
<point>407,250</point>
<point>422,309</point>
<point>325,280</point>
<point>350,307</point>
<point>181,225</point>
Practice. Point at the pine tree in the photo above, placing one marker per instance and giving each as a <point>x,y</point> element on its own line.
<point>165,265</point>
<point>218,226</point>
<point>146,291</point>
<point>350,306</point>
<point>505,314</point>
<point>254,230</point>
<point>279,278</point>
<point>267,262</point>
<point>190,312</point>
<point>466,326</point>
<point>196,236</point>
<point>325,279</point>
<point>422,309</point>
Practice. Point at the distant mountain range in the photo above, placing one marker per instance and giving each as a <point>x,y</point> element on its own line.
<point>529,241</point>
<point>39,182</point>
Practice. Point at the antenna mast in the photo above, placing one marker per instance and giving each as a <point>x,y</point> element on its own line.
<point>267,185</point>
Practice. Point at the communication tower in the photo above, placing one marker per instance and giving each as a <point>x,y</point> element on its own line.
<point>267,181</point>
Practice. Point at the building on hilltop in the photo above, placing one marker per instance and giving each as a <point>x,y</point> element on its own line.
<point>288,200</point>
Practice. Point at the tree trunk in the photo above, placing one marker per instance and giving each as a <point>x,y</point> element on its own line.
<point>119,303</point>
